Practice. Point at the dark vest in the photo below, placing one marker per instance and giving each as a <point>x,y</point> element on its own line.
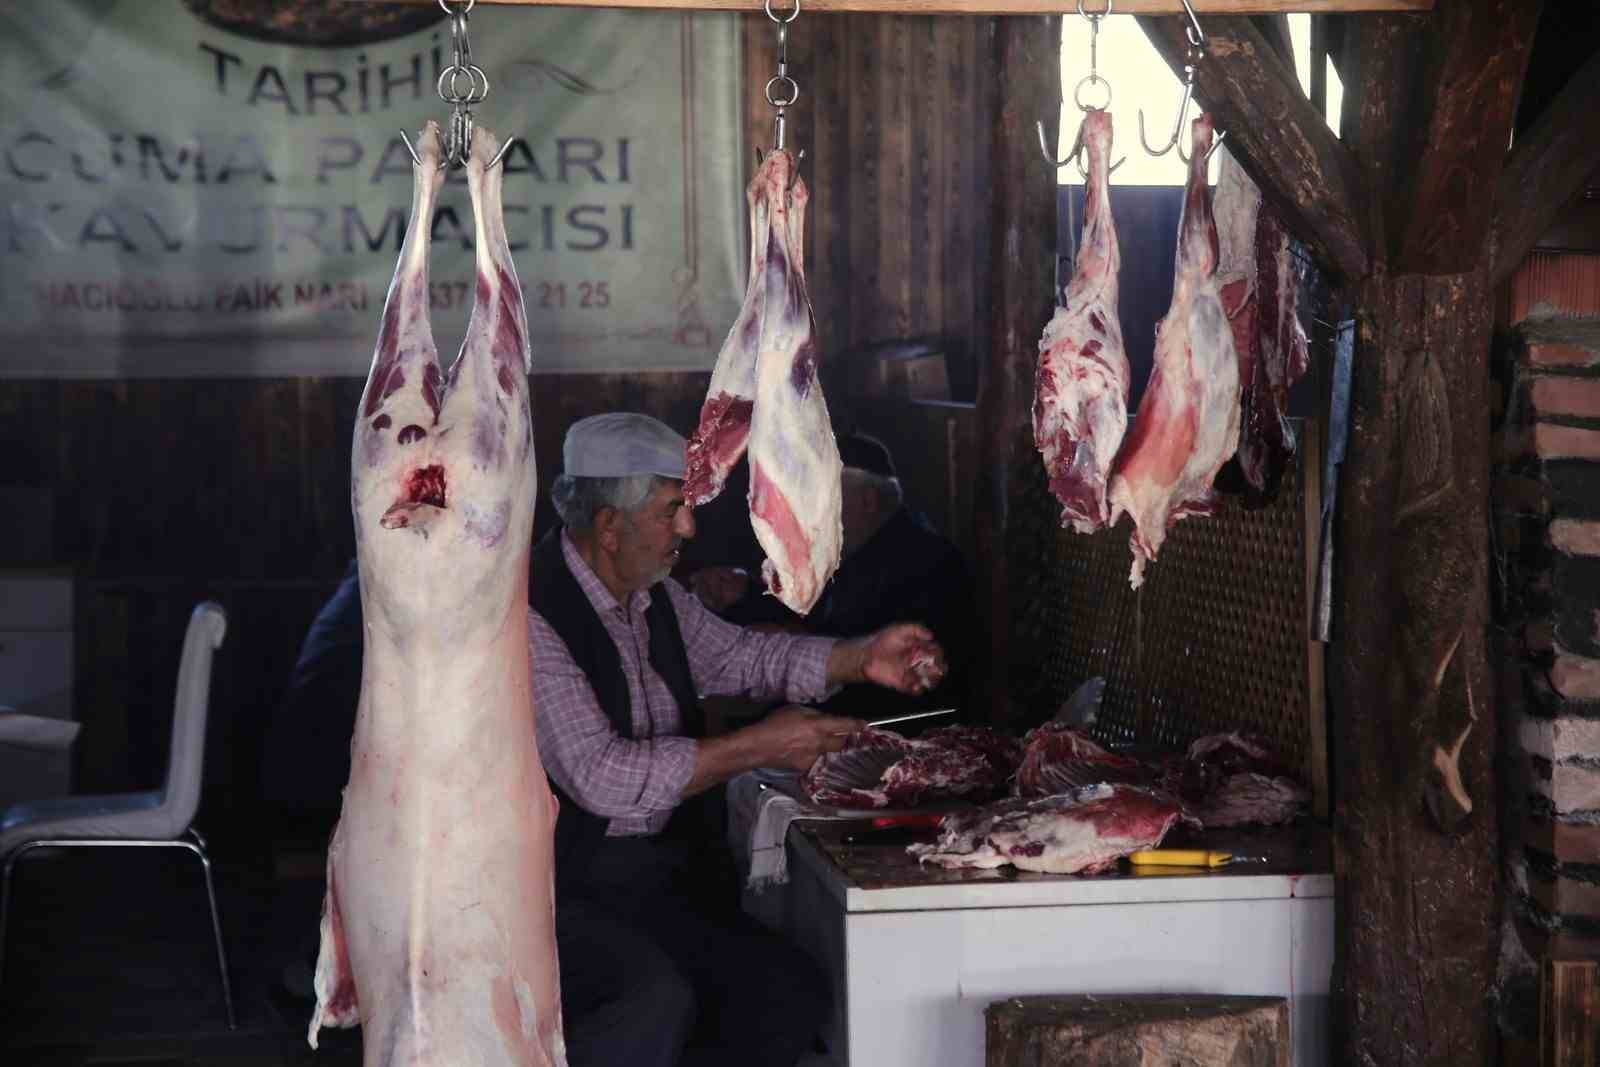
<point>555,594</point>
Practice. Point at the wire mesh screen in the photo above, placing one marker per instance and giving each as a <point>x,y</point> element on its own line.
<point>1216,639</point>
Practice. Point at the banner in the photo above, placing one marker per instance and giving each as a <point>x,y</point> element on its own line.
<point>183,199</point>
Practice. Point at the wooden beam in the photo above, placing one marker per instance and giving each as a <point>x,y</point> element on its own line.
<point>1280,139</point>
<point>1319,51</point>
<point>1547,168</point>
<point>1021,276</point>
<point>1479,53</point>
<point>989,7</point>
<point>1275,30</point>
<point>1382,112</point>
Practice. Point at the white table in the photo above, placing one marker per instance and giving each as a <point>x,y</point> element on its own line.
<point>916,955</point>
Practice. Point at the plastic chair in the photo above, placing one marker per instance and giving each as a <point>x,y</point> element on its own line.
<point>156,819</point>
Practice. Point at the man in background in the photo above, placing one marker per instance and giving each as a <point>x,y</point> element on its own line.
<point>895,568</point>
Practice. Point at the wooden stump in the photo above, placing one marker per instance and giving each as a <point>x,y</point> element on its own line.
<point>1569,1014</point>
<point>1138,1030</point>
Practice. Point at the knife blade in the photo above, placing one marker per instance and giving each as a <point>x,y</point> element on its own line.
<point>912,717</point>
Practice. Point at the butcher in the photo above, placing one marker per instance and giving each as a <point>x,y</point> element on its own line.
<point>659,966</point>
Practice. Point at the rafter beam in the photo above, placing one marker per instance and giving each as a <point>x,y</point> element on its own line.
<point>1546,169</point>
<point>1279,138</point>
<point>989,7</point>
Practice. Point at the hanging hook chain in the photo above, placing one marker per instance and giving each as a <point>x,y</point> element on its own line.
<point>1093,78</point>
<point>782,90</point>
<point>461,98</point>
<point>1191,63</point>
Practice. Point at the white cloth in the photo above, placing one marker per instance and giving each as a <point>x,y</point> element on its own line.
<point>761,805</point>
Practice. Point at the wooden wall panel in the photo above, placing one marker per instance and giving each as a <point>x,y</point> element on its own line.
<point>894,118</point>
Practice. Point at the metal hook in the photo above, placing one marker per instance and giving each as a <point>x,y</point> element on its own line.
<point>1197,52</point>
<point>498,156</point>
<point>782,90</point>
<point>1092,78</point>
<point>1074,156</point>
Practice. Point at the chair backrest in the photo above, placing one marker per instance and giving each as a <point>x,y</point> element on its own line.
<point>186,764</point>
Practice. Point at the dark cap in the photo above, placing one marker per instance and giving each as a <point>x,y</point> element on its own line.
<point>866,453</point>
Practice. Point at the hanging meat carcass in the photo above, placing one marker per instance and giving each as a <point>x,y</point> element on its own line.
<point>1188,421</point>
<point>765,395</point>
<point>1236,207</point>
<point>1259,287</point>
<point>1080,391</point>
<point>438,927</point>
<point>1078,832</point>
<point>1266,437</point>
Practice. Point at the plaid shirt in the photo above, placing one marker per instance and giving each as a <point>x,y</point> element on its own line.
<point>638,782</point>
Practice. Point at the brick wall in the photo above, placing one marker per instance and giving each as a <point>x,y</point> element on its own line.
<point>1546,511</point>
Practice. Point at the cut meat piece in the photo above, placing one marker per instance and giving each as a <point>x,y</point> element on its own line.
<point>1057,758</point>
<point>438,927</point>
<point>954,761</point>
<point>1233,779</point>
<point>795,497</point>
<point>1188,421</point>
<point>852,777</point>
<point>1080,832</point>
<point>1003,751</point>
<point>1266,437</point>
<point>1080,391</point>
<point>1250,799</point>
<point>880,769</point>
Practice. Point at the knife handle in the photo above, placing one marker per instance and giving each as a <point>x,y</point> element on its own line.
<point>1180,857</point>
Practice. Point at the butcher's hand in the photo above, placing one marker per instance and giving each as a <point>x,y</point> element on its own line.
<point>903,657</point>
<point>719,588</point>
<point>794,736</point>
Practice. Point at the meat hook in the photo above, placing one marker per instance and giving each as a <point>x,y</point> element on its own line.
<point>782,90</point>
<point>1092,78</point>
<point>458,140</point>
<point>1191,62</point>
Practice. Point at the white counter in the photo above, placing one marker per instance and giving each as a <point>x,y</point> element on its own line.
<point>915,956</point>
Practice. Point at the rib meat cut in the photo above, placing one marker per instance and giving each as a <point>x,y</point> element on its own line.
<point>1188,421</point>
<point>1058,759</point>
<point>1079,832</point>
<point>765,395</point>
<point>1080,390</point>
<point>880,769</point>
<point>438,926</point>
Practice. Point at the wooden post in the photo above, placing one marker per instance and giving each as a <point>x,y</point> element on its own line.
<point>1569,1013</point>
<point>1021,257</point>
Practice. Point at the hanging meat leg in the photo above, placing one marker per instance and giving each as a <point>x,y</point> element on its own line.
<point>1188,421</point>
<point>438,928</point>
<point>795,499</point>
<point>1080,391</point>
<point>719,441</point>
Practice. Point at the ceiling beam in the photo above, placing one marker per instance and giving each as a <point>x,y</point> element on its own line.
<point>1547,167</point>
<point>1283,142</point>
<point>990,7</point>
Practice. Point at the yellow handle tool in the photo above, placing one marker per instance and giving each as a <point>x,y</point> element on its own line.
<point>1180,857</point>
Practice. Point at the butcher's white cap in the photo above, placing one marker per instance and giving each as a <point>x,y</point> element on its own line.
<point>620,444</point>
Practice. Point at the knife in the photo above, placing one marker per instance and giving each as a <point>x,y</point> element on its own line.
<point>1189,857</point>
<point>912,716</point>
